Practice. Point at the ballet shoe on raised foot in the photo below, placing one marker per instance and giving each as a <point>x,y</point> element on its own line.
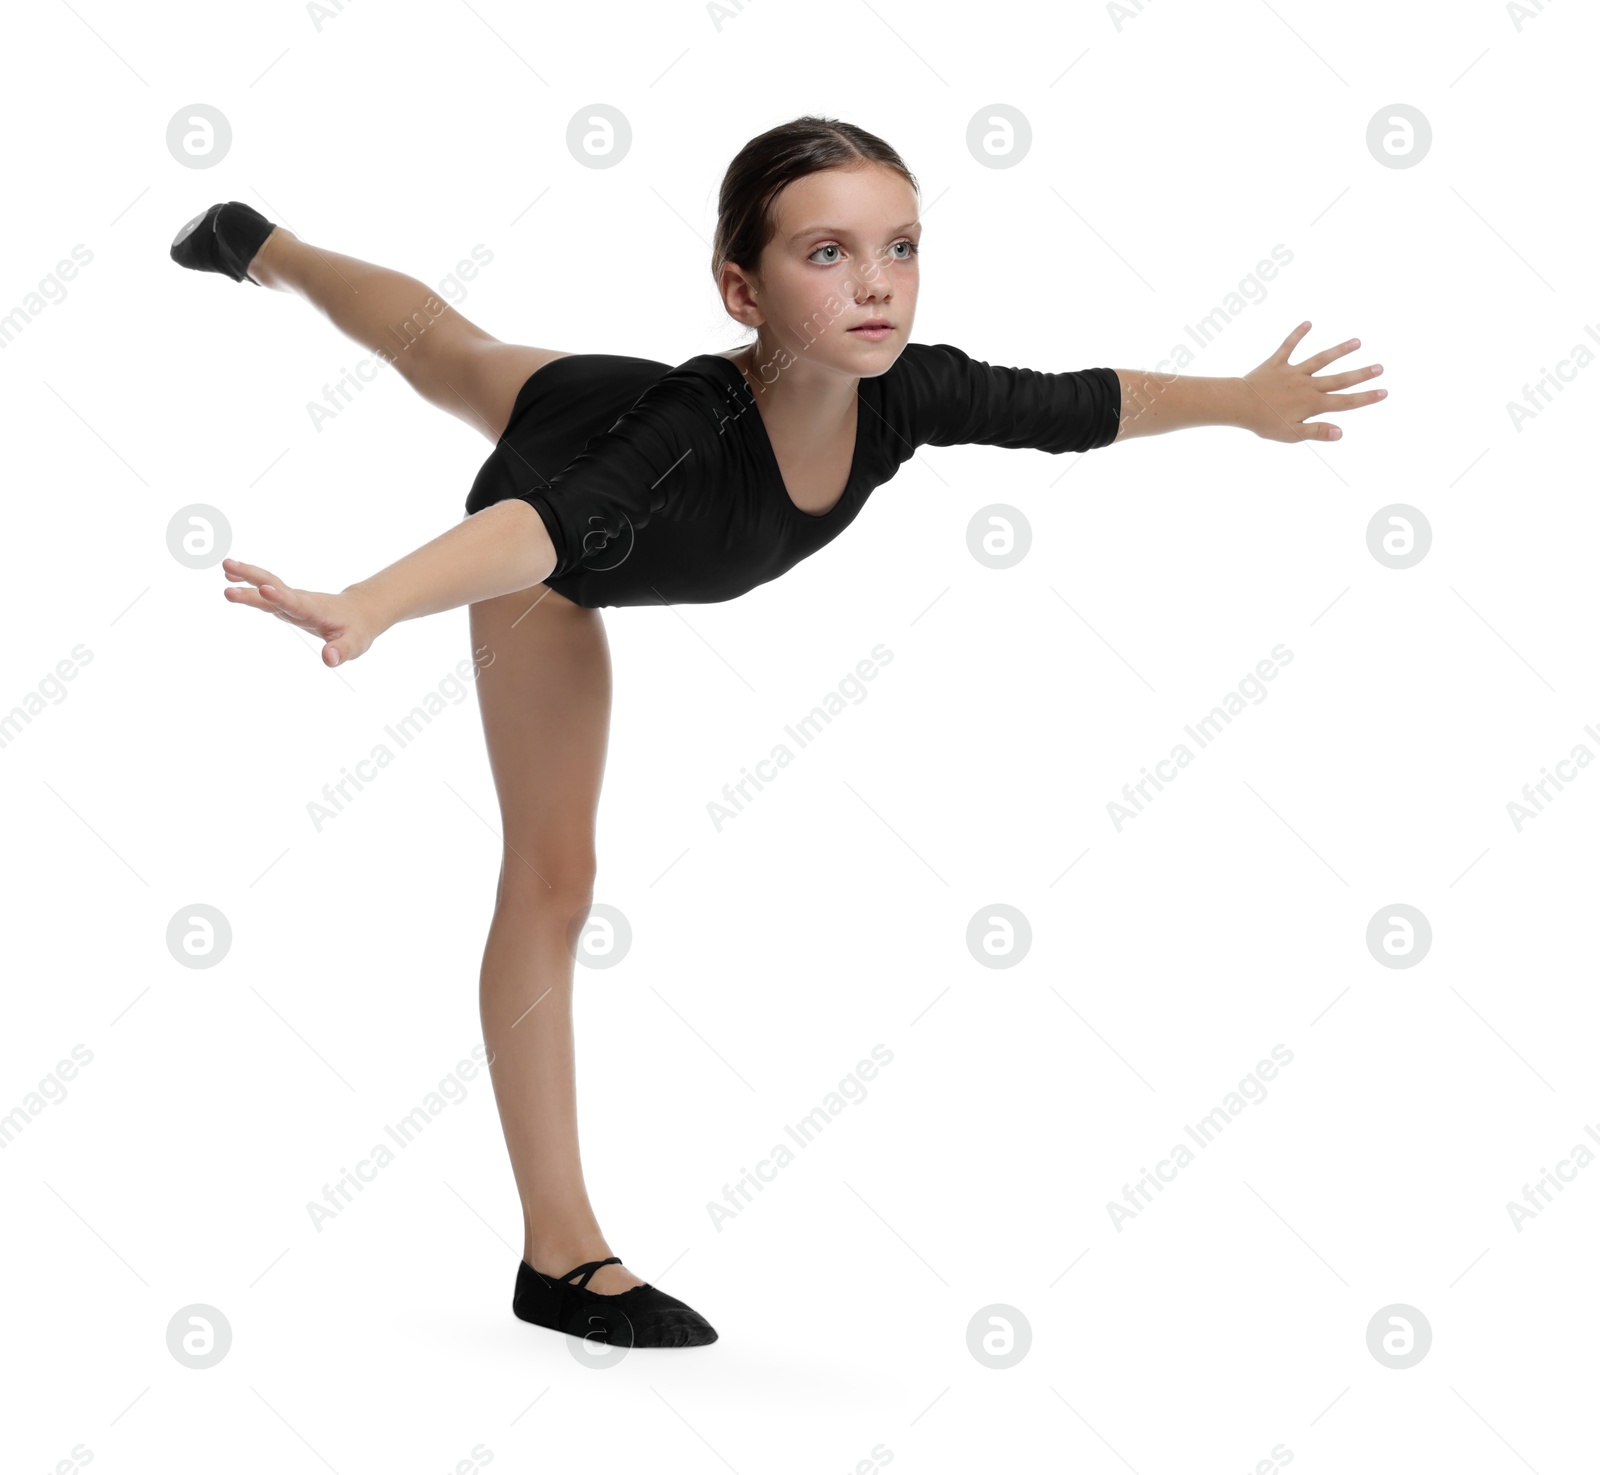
<point>224,238</point>
<point>641,1316</point>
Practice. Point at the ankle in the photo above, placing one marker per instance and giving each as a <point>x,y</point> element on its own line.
<point>267,266</point>
<point>557,1254</point>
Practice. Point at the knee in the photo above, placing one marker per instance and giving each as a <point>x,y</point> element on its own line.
<point>437,351</point>
<point>551,899</point>
<point>561,886</point>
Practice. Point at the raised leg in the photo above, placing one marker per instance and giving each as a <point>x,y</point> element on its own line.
<point>446,358</point>
<point>544,691</point>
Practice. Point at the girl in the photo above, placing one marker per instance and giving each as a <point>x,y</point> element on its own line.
<point>622,481</point>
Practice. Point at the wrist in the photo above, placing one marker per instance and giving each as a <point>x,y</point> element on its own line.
<point>376,602</point>
<point>1241,403</point>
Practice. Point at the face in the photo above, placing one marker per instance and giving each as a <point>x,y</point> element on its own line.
<point>843,252</point>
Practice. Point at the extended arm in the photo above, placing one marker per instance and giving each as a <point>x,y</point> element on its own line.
<point>528,534</point>
<point>1274,400</point>
<point>499,550</point>
<point>503,548</point>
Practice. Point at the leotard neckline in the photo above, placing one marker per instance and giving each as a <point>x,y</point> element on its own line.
<point>771,456</point>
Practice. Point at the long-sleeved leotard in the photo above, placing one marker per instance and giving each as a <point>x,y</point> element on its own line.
<point>660,485</point>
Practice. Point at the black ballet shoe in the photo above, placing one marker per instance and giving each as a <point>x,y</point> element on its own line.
<point>224,238</point>
<point>640,1316</point>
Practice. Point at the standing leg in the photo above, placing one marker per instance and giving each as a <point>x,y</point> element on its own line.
<point>544,692</point>
<point>448,360</point>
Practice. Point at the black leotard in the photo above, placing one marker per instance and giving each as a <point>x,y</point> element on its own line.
<point>660,485</point>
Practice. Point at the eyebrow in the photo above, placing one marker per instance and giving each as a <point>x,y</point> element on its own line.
<point>839,230</point>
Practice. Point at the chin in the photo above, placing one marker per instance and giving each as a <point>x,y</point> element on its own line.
<point>872,359</point>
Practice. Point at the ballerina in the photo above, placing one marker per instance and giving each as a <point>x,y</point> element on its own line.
<point>624,481</point>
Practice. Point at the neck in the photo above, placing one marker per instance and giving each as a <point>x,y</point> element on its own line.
<point>793,393</point>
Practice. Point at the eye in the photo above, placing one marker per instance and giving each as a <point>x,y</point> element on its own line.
<point>912,248</point>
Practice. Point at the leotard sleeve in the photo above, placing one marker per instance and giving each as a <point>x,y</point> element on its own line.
<point>662,450</point>
<point>953,399</point>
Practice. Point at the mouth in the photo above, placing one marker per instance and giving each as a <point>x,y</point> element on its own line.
<point>874,328</point>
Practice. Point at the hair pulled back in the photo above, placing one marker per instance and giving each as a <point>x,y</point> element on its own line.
<point>771,161</point>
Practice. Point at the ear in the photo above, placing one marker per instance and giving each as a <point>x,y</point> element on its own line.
<point>740,295</point>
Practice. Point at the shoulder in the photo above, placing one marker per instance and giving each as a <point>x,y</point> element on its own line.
<point>926,366</point>
<point>695,398</point>
<point>710,379</point>
<point>916,393</point>
<point>706,373</point>
<point>927,375</point>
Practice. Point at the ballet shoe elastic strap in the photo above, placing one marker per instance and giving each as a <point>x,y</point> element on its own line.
<point>589,1269</point>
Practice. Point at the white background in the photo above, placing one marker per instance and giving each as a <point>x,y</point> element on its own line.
<point>1170,153</point>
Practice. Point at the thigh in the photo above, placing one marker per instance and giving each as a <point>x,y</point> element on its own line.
<point>484,378</point>
<point>544,693</point>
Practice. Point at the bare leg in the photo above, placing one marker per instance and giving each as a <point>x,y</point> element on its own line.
<point>544,691</point>
<point>447,359</point>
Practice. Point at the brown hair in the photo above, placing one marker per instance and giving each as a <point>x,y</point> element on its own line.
<point>774,159</point>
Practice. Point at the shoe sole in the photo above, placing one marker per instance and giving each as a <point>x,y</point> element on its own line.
<point>188,230</point>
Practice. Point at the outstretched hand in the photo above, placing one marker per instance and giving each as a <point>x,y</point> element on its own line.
<point>337,619</point>
<point>1283,396</point>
